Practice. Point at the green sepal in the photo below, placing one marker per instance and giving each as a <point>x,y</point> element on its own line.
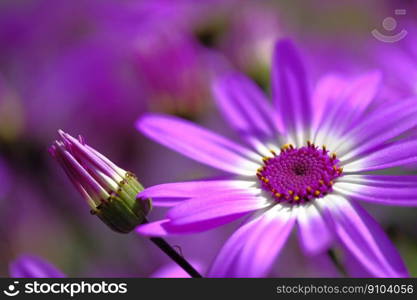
<point>122,212</point>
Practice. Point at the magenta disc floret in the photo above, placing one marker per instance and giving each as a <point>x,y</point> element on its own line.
<point>299,174</point>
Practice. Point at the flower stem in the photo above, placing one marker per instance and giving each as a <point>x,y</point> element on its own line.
<point>168,250</point>
<point>175,256</point>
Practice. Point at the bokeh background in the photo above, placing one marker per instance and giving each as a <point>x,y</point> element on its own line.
<point>92,67</point>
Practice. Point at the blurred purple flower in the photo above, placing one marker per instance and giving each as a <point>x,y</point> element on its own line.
<point>283,177</point>
<point>174,69</point>
<point>82,65</point>
<point>30,266</point>
<point>398,61</point>
<point>250,38</point>
<point>105,59</point>
<point>67,63</point>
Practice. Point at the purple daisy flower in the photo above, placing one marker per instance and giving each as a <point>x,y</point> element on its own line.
<point>305,164</point>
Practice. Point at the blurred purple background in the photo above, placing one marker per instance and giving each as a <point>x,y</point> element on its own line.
<point>92,67</point>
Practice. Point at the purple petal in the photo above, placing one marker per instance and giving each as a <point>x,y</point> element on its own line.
<point>292,263</point>
<point>382,189</point>
<point>359,95</point>
<point>29,266</point>
<point>353,267</point>
<point>252,249</point>
<point>395,155</point>
<point>323,266</point>
<point>346,101</point>
<point>364,238</point>
<point>170,194</point>
<point>154,228</point>
<point>245,106</point>
<point>198,143</point>
<point>214,206</point>
<point>381,180</point>
<point>311,225</point>
<point>83,154</point>
<point>290,90</point>
<point>327,93</point>
<point>379,127</point>
<point>166,227</point>
<point>353,102</point>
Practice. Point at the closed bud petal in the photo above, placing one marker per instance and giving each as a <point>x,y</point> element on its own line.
<point>109,190</point>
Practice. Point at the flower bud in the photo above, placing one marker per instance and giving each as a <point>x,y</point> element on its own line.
<point>109,190</point>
